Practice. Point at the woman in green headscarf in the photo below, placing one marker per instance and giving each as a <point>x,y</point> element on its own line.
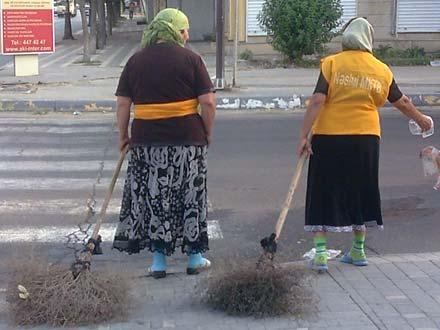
<point>170,25</point>
<point>343,118</point>
<point>164,204</point>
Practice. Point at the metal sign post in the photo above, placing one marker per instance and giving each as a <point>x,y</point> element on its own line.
<point>220,52</point>
<point>237,23</point>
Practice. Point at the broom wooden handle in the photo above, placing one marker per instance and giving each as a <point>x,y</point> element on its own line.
<point>289,197</point>
<point>84,260</point>
<point>109,193</point>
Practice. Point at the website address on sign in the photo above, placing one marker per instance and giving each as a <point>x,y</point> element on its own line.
<point>27,49</point>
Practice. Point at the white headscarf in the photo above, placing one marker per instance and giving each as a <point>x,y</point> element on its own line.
<point>358,35</point>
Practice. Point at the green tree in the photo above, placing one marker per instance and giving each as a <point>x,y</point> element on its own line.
<point>300,27</point>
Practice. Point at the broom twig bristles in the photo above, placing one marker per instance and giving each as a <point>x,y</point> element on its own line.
<point>58,298</point>
<point>263,291</point>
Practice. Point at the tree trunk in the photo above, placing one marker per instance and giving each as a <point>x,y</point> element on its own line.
<point>116,11</point>
<point>102,33</point>
<point>110,17</point>
<point>67,23</point>
<point>86,34</point>
<point>156,7</point>
<point>93,27</point>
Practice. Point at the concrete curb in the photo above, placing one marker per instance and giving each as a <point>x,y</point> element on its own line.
<point>229,103</point>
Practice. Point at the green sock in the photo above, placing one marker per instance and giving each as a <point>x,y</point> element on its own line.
<point>357,249</point>
<point>321,250</point>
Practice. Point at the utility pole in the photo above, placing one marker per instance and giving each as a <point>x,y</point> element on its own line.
<point>237,22</point>
<point>220,52</point>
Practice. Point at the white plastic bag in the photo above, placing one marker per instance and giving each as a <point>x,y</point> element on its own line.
<point>437,185</point>
<point>330,253</point>
<point>430,157</point>
<point>415,129</point>
<point>431,163</point>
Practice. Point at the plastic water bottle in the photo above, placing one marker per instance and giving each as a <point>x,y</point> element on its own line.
<point>415,129</point>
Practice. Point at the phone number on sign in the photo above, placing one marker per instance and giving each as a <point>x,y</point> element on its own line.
<point>28,42</point>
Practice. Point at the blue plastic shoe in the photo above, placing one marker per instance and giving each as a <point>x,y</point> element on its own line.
<point>159,266</point>
<point>346,258</point>
<point>196,263</point>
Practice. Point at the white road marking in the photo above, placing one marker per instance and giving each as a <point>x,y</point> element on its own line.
<point>73,60</point>
<point>57,129</point>
<point>112,56</point>
<point>49,58</point>
<point>54,120</point>
<point>55,206</point>
<point>58,234</point>
<point>58,152</point>
<point>72,52</point>
<point>55,184</point>
<point>59,166</point>
<point>7,65</point>
<point>130,54</point>
<point>65,206</point>
<point>60,140</point>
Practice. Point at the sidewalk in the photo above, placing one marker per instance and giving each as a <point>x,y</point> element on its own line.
<point>399,292</point>
<point>393,292</point>
<point>66,85</point>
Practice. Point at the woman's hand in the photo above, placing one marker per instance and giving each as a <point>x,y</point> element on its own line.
<point>424,122</point>
<point>405,105</point>
<point>123,142</point>
<point>304,145</point>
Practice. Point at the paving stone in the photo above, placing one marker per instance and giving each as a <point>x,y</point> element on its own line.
<point>276,324</point>
<point>257,325</point>
<point>394,258</point>
<point>414,316</point>
<point>436,320</point>
<point>396,297</point>
<point>399,327</point>
<point>395,320</point>
<point>392,272</point>
<point>385,311</point>
<point>421,323</point>
<point>407,308</point>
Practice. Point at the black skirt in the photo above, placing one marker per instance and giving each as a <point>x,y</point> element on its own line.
<point>342,184</point>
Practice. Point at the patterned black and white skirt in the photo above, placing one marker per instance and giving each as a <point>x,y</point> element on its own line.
<point>164,204</point>
<point>342,184</point>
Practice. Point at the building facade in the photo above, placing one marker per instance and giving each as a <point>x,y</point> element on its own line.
<point>398,23</point>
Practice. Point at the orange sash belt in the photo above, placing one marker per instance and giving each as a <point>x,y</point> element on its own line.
<point>166,110</point>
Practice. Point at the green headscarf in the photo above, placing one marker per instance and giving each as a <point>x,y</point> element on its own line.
<point>166,26</point>
<point>358,35</point>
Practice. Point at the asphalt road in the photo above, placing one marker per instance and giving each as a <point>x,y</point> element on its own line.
<point>51,164</point>
<point>59,33</point>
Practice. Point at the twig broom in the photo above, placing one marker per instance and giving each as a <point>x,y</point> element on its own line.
<point>57,295</point>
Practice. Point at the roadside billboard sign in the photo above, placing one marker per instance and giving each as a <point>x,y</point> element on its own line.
<point>27,27</point>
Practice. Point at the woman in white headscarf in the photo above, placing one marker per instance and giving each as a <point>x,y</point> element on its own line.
<point>342,116</point>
